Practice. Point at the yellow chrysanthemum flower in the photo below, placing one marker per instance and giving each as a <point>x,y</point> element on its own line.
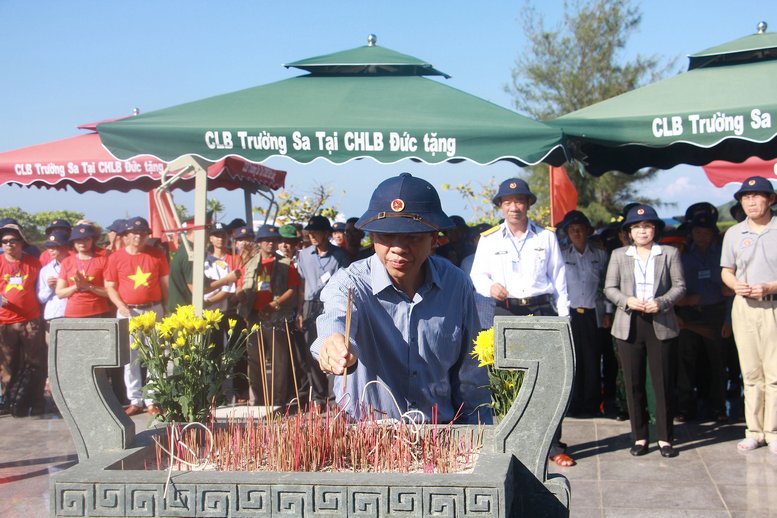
<point>180,341</point>
<point>212,317</point>
<point>232,323</point>
<point>484,348</point>
<point>143,323</point>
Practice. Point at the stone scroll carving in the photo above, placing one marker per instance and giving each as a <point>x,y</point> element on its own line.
<point>81,350</point>
<point>542,348</point>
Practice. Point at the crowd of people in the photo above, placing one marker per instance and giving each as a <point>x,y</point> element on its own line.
<point>683,316</point>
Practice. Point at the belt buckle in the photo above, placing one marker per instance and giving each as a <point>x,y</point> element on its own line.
<point>523,302</point>
<point>580,310</point>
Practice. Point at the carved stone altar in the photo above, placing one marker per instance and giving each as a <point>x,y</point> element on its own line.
<point>509,478</point>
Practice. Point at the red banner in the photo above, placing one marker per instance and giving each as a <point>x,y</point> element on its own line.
<point>563,195</point>
<point>722,173</point>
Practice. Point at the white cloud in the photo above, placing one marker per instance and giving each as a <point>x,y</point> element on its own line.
<point>682,186</point>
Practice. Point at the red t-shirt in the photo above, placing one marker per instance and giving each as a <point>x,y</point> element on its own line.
<point>84,303</point>
<point>137,277</point>
<point>18,283</point>
<point>263,291</point>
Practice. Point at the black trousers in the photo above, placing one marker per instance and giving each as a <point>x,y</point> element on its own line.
<point>701,367</point>
<point>319,382</point>
<point>643,348</point>
<point>587,390</point>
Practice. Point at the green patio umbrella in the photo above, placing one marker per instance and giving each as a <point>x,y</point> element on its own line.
<point>723,108</point>
<point>365,102</point>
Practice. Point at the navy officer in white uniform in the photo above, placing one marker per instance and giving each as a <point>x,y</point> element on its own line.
<point>518,263</point>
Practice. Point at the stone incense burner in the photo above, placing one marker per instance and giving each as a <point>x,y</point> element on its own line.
<point>509,477</point>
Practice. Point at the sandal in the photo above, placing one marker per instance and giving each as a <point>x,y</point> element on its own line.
<point>748,444</point>
<point>563,460</point>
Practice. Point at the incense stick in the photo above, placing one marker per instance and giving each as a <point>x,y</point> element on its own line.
<point>348,311</point>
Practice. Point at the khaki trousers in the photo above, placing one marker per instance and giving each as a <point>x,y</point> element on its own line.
<point>755,330</point>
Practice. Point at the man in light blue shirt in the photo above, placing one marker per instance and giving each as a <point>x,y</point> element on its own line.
<point>316,264</point>
<point>413,317</point>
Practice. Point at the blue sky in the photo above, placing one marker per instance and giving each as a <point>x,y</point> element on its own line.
<point>68,63</point>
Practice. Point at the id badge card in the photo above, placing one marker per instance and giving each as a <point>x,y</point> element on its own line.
<point>516,265</point>
<point>15,279</point>
<point>704,274</point>
<point>264,286</point>
<point>325,277</point>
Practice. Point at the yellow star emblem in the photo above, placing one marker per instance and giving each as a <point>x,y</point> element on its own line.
<point>140,278</point>
<point>10,286</point>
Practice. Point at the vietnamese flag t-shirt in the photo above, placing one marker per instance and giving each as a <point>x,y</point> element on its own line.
<point>137,276</point>
<point>18,283</point>
<point>85,303</point>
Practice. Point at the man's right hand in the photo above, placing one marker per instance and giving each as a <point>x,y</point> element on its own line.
<point>498,292</point>
<point>334,355</point>
<point>125,312</point>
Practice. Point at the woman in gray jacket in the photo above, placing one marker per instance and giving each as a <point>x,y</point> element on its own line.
<point>644,281</point>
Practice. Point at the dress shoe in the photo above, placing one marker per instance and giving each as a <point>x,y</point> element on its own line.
<point>153,410</point>
<point>639,449</point>
<point>133,410</point>
<point>667,451</point>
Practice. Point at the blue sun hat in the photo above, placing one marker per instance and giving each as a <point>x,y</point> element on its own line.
<point>83,231</point>
<point>513,187</point>
<point>137,224</point>
<point>639,213</point>
<point>754,184</point>
<point>319,223</point>
<point>57,237</point>
<point>58,223</point>
<point>243,233</point>
<point>575,217</point>
<point>404,204</point>
<point>267,232</point>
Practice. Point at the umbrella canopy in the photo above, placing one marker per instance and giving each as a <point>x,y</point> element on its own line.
<point>83,164</point>
<point>723,108</point>
<point>721,173</point>
<point>365,102</point>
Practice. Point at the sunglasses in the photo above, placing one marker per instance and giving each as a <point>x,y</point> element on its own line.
<point>11,241</point>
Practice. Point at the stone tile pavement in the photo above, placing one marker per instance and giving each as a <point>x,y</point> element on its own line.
<point>708,479</point>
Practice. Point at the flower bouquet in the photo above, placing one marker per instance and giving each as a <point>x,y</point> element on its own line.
<point>503,384</point>
<point>185,371</point>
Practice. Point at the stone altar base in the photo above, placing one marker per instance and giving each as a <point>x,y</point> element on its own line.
<point>509,477</point>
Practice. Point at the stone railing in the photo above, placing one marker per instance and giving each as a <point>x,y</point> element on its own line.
<point>509,478</point>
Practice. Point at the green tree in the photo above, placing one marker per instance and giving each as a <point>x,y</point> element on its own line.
<point>298,208</point>
<point>34,225</point>
<point>575,64</point>
<point>215,207</point>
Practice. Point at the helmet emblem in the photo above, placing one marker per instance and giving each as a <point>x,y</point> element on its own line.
<point>751,182</point>
<point>513,185</point>
<point>640,211</point>
<point>52,238</point>
<point>397,205</point>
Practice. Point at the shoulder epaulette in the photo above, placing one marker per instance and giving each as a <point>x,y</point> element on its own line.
<point>489,231</point>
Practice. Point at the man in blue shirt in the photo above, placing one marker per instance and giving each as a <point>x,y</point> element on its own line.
<point>316,264</point>
<point>413,317</point>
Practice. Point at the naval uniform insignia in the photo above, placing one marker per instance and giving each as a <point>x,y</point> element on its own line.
<point>489,231</point>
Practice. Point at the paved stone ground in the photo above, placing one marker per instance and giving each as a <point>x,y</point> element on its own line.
<point>708,479</point>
